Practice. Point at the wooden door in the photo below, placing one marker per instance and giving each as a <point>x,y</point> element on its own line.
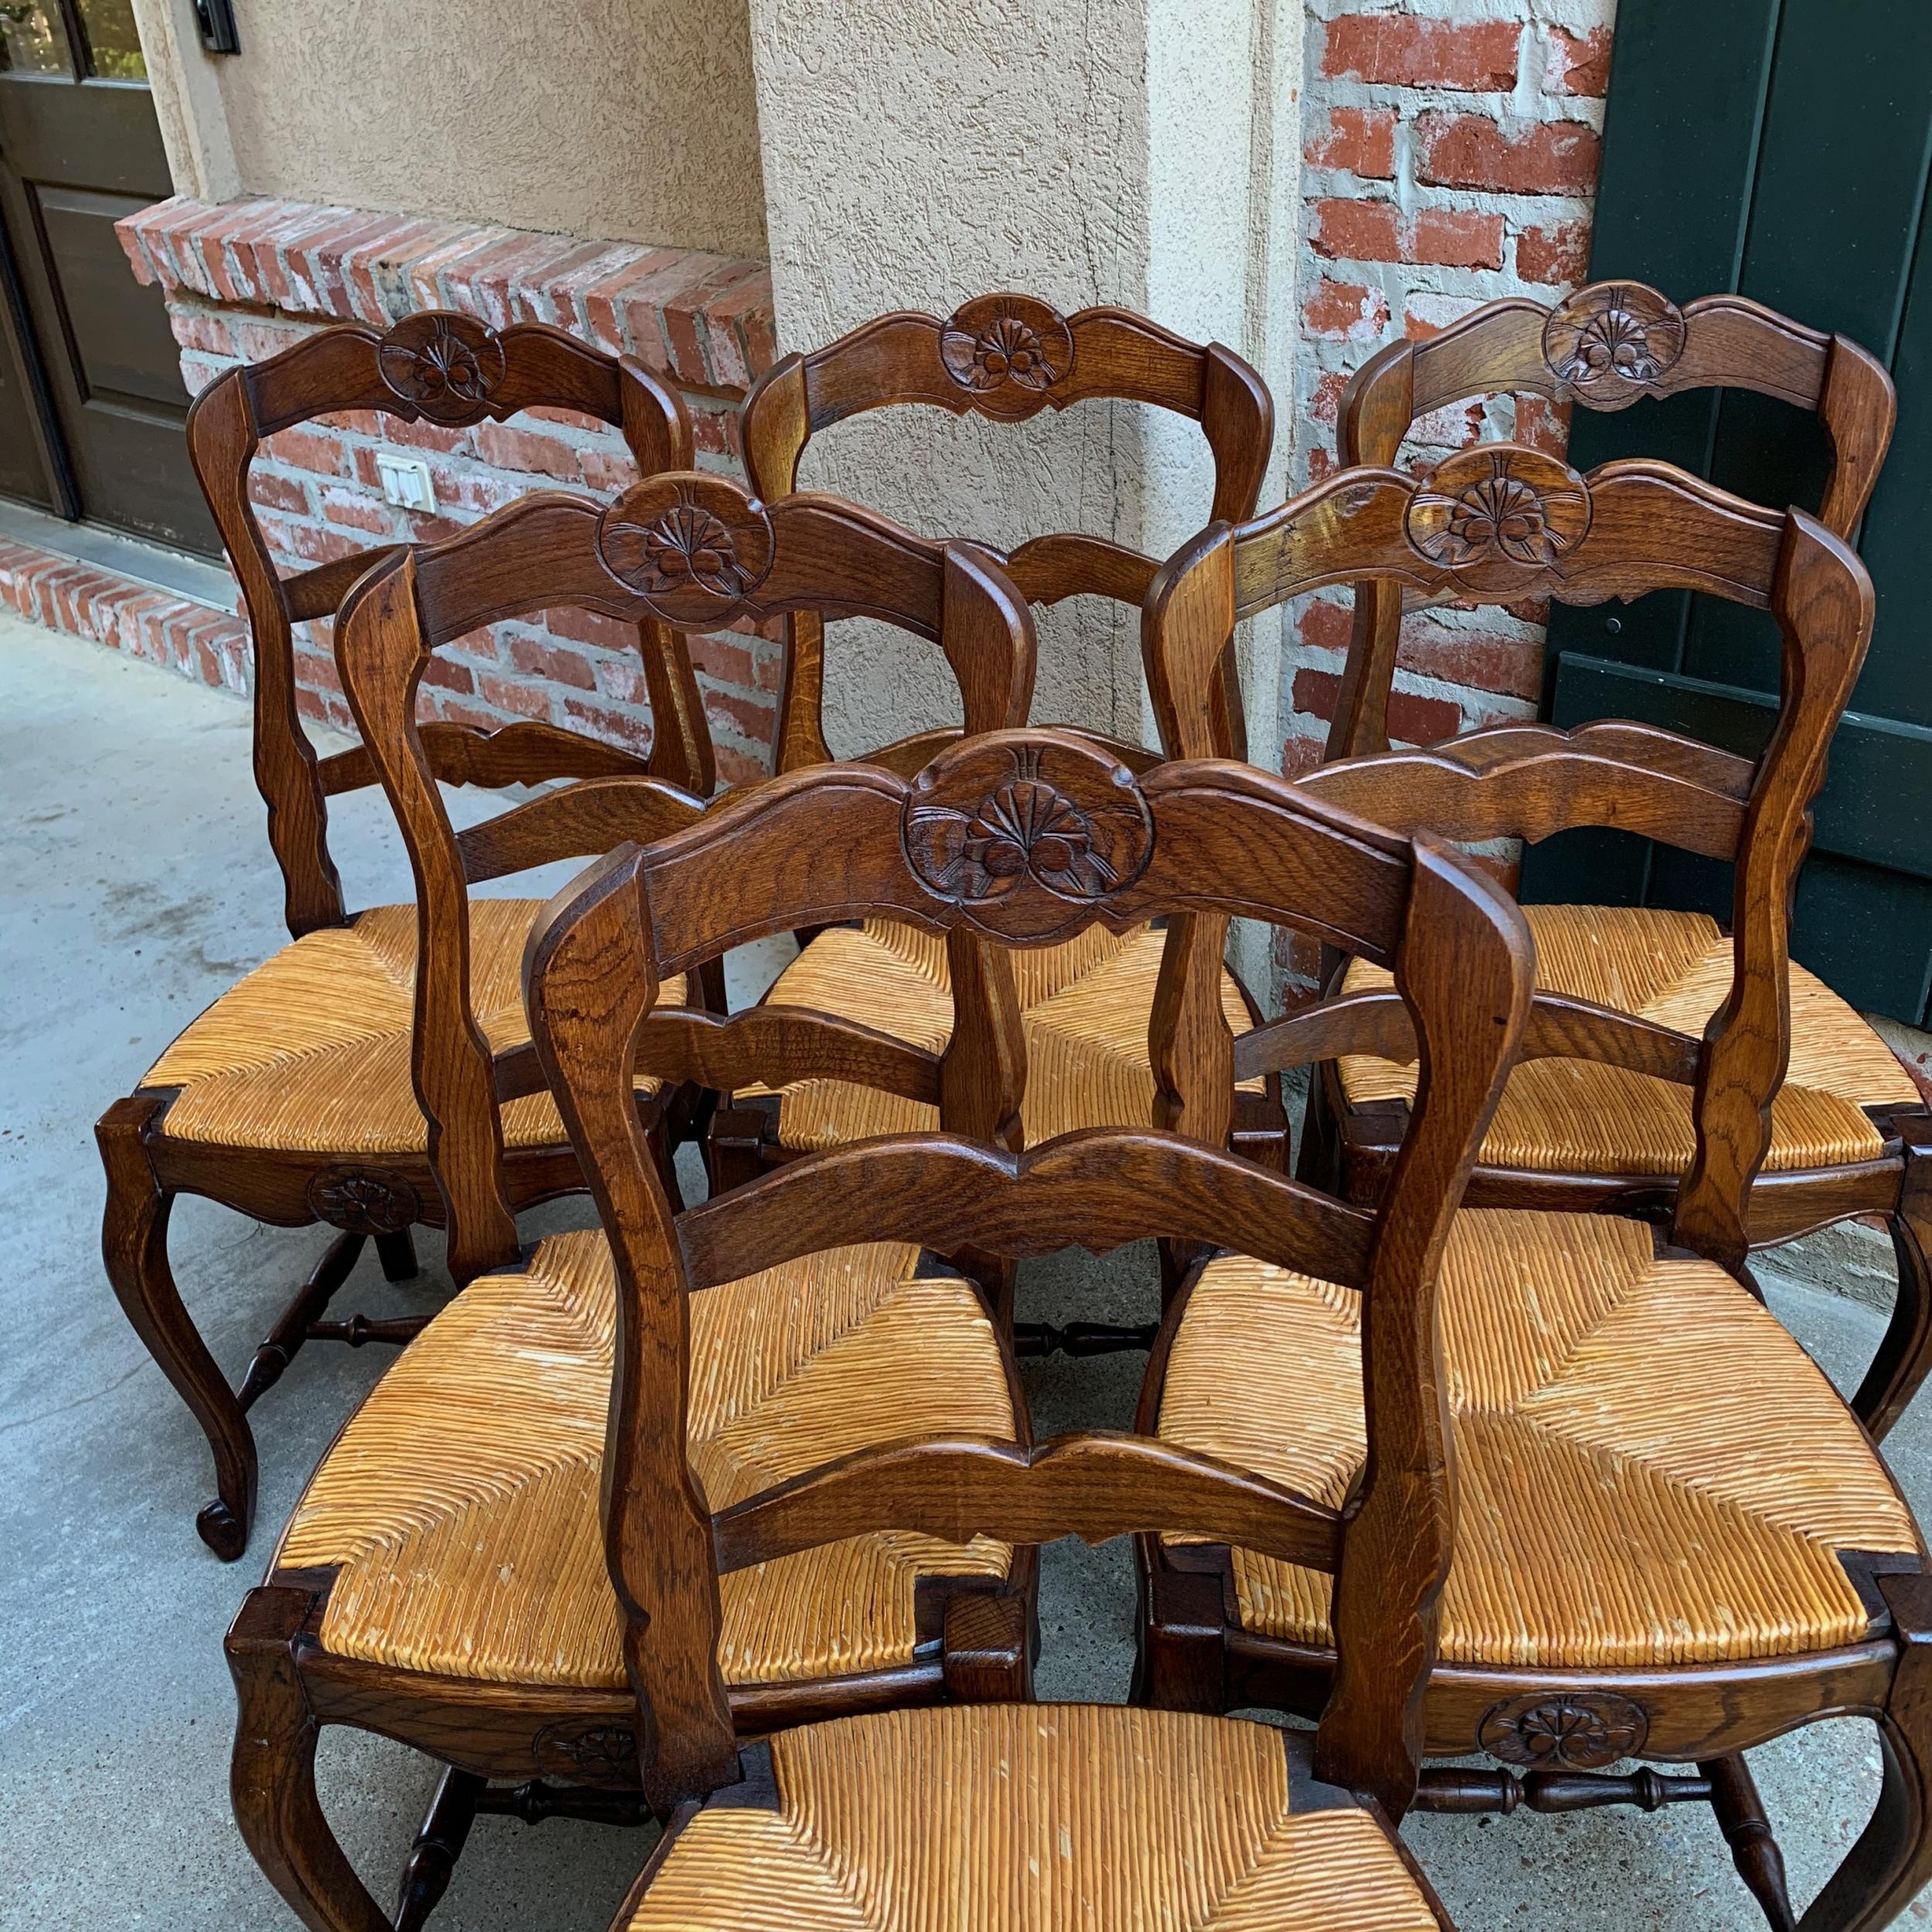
<point>91,398</point>
<point>1778,147</point>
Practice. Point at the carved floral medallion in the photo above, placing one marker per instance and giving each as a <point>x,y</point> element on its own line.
<point>360,1200</point>
<point>1498,517</point>
<point>1007,351</point>
<point>446,367</point>
<point>1611,341</point>
<point>1581,1732</point>
<point>601,1754</point>
<point>1022,837</point>
<point>693,548</point>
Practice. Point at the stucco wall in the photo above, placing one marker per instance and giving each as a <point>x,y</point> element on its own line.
<point>625,119</point>
<point>919,154</point>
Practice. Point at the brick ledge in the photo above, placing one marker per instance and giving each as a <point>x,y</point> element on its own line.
<point>703,321</point>
<point>87,601</point>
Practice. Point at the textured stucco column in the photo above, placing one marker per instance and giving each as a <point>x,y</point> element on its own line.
<point>1142,152</point>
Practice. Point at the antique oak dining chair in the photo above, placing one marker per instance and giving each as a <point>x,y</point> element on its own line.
<point>1675,1541</point>
<point>1854,1135</point>
<point>989,1811</point>
<point>289,1100</point>
<point>469,1614</point>
<point>1004,359</point>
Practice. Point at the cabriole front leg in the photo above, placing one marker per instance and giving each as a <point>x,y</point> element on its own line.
<point>272,1776</point>
<point>134,1245</point>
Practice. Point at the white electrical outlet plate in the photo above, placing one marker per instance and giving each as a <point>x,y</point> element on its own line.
<point>405,481</point>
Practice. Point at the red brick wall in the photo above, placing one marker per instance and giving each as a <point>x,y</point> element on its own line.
<point>1451,154</point>
<point>245,279</point>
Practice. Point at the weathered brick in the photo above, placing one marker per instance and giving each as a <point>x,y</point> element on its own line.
<point>607,723</point>
<point>303,449</point>
<point>274,492</point>
<point>559,664</point>
<point>1484,660</point>
<point>1545,158</point>
<point>449,674</point>
<point>1345,312</point>
<point>590,627</point>
<point>1427,313</point>
<point>508,693</point>
<point>510,447</point>
<point>1410,51</point>
<point>1578,64</point>
<point>1363,231</point>
<point>1542,424</point>
<point>1558,256</point>
<point>356,512</point>
<point>1456,238</point>
<point>1360,140</point>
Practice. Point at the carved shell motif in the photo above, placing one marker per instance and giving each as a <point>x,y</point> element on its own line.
<point>1582,1731</point>
<point>446,367</point>
<point>1007,352</point>
<point>1610,342</point>
<point>363,1200</point>
<point>693,547</point>
<point>1022,837</point>
<point>1497,518</point>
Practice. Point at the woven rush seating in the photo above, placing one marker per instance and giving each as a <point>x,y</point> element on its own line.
<point>1651,1471</point>
<point>1085,1007</point>
<point>1036,1816</point>
<point>310,1052</point>
<point>459,1506</point>
<point>1675,968</point>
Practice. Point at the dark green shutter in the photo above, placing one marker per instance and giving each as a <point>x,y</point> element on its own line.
<point>1779,148</point>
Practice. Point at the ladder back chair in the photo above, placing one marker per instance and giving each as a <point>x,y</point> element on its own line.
<point>290,1099</point>
<point>1854,1135</point>
<point>440,1576</point>
<point>1145,1808</point>
<point>1676,1540</point>
<point>1006,359</point>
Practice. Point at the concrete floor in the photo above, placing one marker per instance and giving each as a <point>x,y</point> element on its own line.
<point>138,885</point>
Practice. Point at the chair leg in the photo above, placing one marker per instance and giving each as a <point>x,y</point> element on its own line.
<point>432,1858</point>
<point>1892,1862</point>
<point>397,1253</point>
<point>272,1778</point>
<point>1740,1817</point>
<point>1905,1354</point>
<point>134,1245</point>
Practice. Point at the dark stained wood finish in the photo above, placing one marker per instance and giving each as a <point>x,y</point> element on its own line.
<point>1605,347</point>
<point>448,370</point>
<point>692,552</point>
<point>1004,357</point>
<point>1629,527</point>
<point>835,842</point>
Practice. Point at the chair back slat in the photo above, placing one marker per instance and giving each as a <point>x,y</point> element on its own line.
<point>1094,1486</point>
<point>1097,1190</point>
<point>435,366</point>
<point>1024,838</point>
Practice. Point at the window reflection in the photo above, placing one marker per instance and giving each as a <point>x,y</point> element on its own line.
<point>113,48</point>
<point>31,41</point>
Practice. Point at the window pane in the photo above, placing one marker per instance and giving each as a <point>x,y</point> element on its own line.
<point>113,48</point>
<point>31,41</point>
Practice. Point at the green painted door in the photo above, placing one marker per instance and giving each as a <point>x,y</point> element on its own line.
<point>1779,148</point>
